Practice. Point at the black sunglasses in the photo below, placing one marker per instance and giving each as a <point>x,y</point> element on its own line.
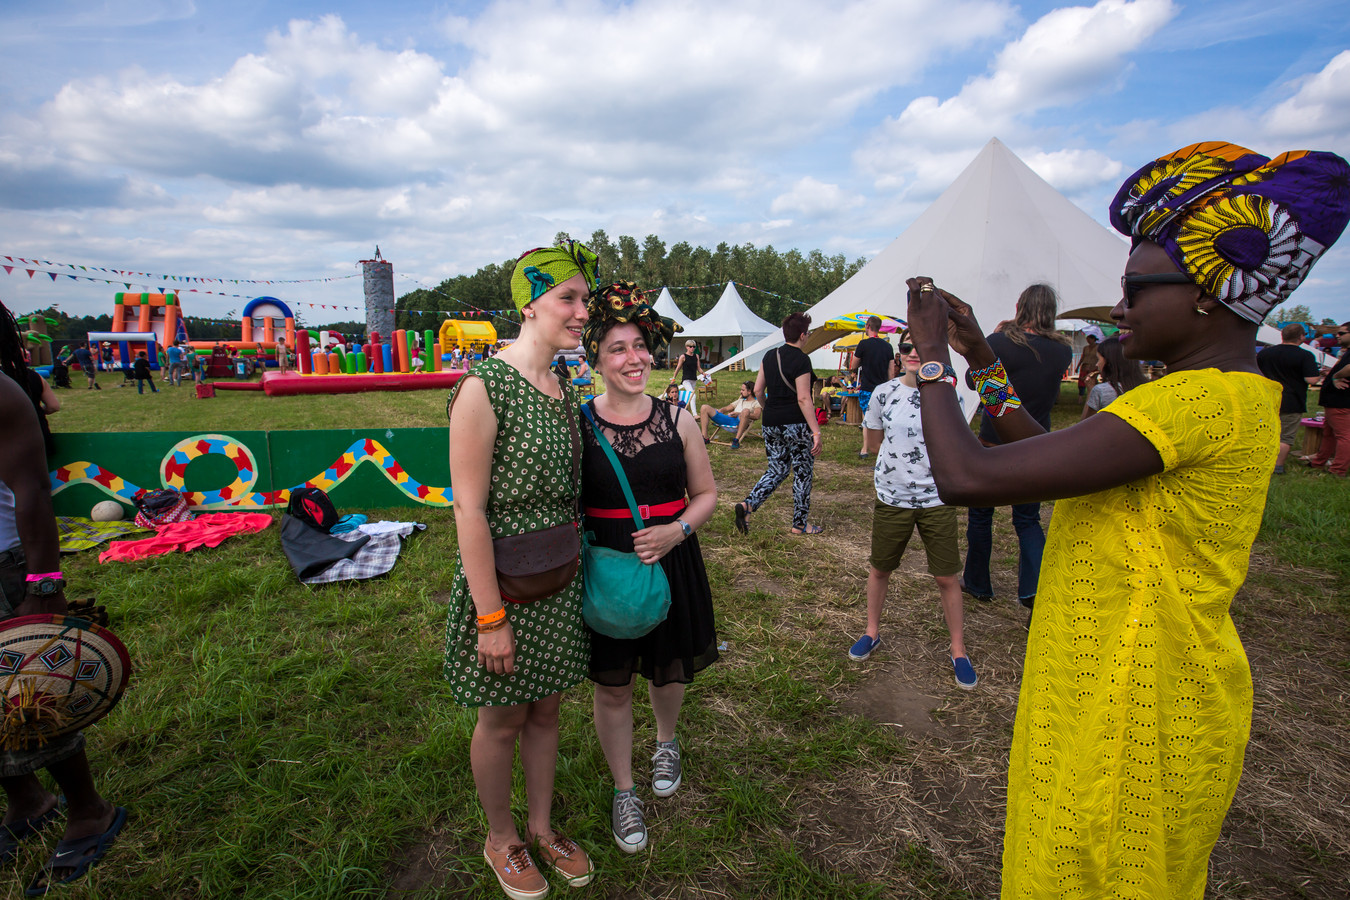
<point>905,347</point>
<point>1130,285</point>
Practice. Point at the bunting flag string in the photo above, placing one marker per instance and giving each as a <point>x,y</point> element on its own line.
<point>46,265</point>
<point>506,315</point>
<point>748,287</point>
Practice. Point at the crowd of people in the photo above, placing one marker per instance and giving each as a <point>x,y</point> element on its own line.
<point>1136,696</point>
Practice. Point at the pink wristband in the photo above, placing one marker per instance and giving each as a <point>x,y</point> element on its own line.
<point>60,575</point>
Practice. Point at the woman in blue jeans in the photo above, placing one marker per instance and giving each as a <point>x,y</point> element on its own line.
<point>1036,358</point>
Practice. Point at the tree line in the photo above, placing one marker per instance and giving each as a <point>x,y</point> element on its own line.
<point>793,280</point>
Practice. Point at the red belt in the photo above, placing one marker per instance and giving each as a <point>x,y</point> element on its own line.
<point>673,508</point>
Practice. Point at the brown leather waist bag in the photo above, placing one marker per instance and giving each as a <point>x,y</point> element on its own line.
<point>537,564</point>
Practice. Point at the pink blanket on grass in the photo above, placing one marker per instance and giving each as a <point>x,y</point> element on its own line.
<point>207,530</point>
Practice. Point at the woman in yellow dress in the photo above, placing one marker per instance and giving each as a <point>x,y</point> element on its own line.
<point>1136,695</point>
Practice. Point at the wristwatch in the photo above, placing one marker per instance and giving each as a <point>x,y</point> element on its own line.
<point>46,587</point>
<point>684,526</point>
<point>931,372</point>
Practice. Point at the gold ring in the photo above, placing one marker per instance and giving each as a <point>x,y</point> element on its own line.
<point>925,288</point>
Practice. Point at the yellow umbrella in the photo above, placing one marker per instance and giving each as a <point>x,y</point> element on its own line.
<point>848,342</point>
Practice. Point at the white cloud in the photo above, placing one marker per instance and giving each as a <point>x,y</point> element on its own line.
<point>1071,171</point>
<point>1062,58</point>
<point>813,198</point>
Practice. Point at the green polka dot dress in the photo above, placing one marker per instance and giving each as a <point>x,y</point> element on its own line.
<point>532,489</point>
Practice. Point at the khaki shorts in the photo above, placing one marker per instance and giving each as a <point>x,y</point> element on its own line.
<point>892,527</point>
<point>1289,427</point>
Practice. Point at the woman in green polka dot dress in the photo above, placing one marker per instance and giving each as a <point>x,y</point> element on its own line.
<point>512,452</point>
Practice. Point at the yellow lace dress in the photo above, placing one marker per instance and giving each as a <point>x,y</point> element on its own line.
<point>1136,696</point>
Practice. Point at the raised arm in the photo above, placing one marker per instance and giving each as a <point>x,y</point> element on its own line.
<point>1093,455</point>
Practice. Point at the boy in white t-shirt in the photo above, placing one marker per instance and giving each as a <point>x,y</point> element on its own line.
<point>907,498</point>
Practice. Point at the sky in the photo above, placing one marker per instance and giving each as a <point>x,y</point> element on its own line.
<point>251,142</point>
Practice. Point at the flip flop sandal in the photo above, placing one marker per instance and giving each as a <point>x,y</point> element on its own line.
<point>15,833</point>
<point>741,513</point>
<point>78,855</point>
<point>810,529</point>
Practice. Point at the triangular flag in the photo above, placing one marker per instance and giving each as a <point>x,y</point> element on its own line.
<point>53,274</point>
<point>9,270</point>
<point>30,272</point>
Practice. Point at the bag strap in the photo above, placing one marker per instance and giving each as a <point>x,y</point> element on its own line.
<point>778,358</point>
<point>614,461</point>
<point>564,386</point>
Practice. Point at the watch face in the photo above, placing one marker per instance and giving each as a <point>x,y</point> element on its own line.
<point>930,370</point>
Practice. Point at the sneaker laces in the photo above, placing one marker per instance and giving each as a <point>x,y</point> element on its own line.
<point>562,845</point>
<point>664,763</point>
<point>630,812</point>
<point>519,858</point>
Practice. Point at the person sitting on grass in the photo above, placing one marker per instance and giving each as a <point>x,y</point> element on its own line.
<point>740,413</point>
<point>31,584</point>
<point>907,498</point>
<point>141,369</point>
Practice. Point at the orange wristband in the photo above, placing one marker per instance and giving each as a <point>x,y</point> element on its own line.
<point>493,617</point>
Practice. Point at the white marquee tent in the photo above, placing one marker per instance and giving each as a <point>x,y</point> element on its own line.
<point>732,319</point>
<point>665,305</point>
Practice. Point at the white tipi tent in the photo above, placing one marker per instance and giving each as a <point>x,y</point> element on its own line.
<point>731,318</point>
<point>665,306</point>
<point>998,228</point>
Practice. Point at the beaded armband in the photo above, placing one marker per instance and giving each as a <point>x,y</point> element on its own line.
<point>995,390</point>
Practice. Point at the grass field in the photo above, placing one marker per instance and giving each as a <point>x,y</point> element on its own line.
<point>280,741</point>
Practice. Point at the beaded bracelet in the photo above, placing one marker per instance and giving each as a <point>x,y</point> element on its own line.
<point>995,389</point>
<point>493,617</point>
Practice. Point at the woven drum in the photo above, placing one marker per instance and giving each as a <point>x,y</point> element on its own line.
<point>58,674</point>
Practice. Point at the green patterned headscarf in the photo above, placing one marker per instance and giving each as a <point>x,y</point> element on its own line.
<point>543,268</point>
<point>624,303</point>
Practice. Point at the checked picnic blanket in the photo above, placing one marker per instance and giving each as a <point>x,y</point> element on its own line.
<point>85,534</point>
<point>376,558</point>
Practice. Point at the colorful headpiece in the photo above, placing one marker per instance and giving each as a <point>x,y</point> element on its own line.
<point>544,268</point>
<point>624,302</point>
<point>1246,228</point>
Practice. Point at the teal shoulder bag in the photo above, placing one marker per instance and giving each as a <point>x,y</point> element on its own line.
<point>622,597</point>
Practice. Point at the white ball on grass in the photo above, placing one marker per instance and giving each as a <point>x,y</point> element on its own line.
<point>107,511</point>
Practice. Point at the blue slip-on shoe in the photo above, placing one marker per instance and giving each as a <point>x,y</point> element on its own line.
<point>735,444</point>
<point>863,648</point>
<point>965,673</point>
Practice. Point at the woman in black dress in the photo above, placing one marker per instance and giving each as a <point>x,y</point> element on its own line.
<point>664,460</point>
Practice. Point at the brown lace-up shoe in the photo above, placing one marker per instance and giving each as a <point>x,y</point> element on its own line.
<point>567,859</point>
<point>516,872</point>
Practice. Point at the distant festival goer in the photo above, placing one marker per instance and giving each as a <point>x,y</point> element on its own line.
<point>871,359</point>
<point>1335,399</point>
<point>1136,695</point>
<point>687,367</point>
<point>658,446</point>
<point>1115,375</point>
<point>516,469</point>
<point>1294,368</point>
<point>791,433</point>
<point>1035,356</point>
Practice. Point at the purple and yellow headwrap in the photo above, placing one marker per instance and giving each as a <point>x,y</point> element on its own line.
<point>624,302</point>
<point>543,268</point>
<point>1246,228</point>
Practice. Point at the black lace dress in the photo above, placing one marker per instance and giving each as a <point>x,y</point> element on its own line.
<point>652,455</point>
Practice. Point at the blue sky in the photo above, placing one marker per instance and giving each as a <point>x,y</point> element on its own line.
<point>255,140</point>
